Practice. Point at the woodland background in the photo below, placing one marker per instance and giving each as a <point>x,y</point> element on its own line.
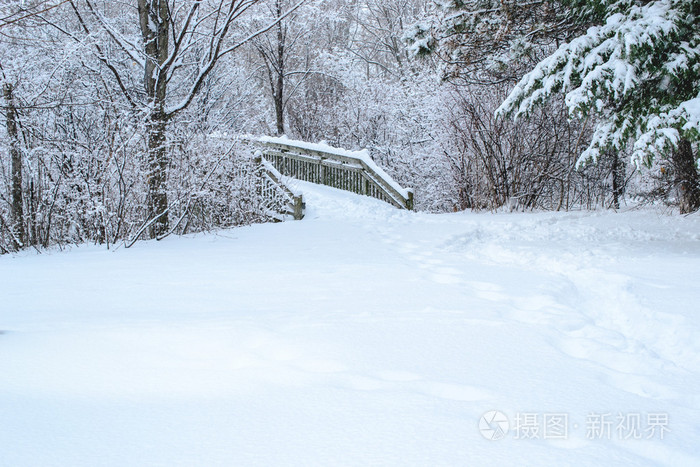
<point>121,117</point>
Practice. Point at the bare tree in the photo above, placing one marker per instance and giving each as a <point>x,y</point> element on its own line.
<point>17,210</point>
<point>376,37</point>
<point>178,46</point>
<point>285,52</point>
<point>274,55</point>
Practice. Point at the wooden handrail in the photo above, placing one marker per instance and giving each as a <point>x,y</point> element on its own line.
<point>350,171</point>
<point>271,179</point>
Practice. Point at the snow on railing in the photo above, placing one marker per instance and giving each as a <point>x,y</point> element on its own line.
<point>320,163</point>
<point>273,185</point>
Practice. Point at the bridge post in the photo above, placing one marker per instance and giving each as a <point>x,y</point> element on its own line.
<point>298,208</point>
<point>409,201</point>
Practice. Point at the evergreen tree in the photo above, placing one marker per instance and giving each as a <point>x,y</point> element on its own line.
<point>488,41</point>
<point>636,69</point>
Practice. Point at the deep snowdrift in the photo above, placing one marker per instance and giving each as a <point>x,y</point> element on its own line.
<point>361,335</point>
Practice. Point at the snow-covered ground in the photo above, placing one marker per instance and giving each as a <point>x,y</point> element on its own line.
<point>362,335</point>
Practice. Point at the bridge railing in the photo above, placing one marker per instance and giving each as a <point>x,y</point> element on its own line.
<point>272,187</point>
<point>353,171</point>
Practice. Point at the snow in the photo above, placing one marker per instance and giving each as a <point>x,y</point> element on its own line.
<point>609,63</point>
<point>362,335</point>
<point>362,155</point>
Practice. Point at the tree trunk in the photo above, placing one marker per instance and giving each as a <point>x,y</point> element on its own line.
<point>686,177</point>
<point>279,92</point>
<point>154,20</point>
<point>157,175</point>
<point>618,179</point>
<point>279,105</point>
<point>17,211</point>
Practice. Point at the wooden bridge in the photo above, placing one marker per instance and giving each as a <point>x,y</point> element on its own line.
<point>353,171</point>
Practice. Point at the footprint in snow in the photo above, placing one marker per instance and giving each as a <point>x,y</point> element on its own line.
<point>641,386</point>
<point>622,370</point>
<point>487,291</point>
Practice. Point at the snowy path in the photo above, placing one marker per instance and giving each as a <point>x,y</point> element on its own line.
<point>363,335</point>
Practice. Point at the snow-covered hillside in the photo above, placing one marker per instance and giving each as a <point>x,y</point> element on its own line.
<point>362,335</point>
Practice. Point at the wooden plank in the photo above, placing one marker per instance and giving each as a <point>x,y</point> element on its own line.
<point>339,171</point>
<point>311,152</point>
<point>297,204</point>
